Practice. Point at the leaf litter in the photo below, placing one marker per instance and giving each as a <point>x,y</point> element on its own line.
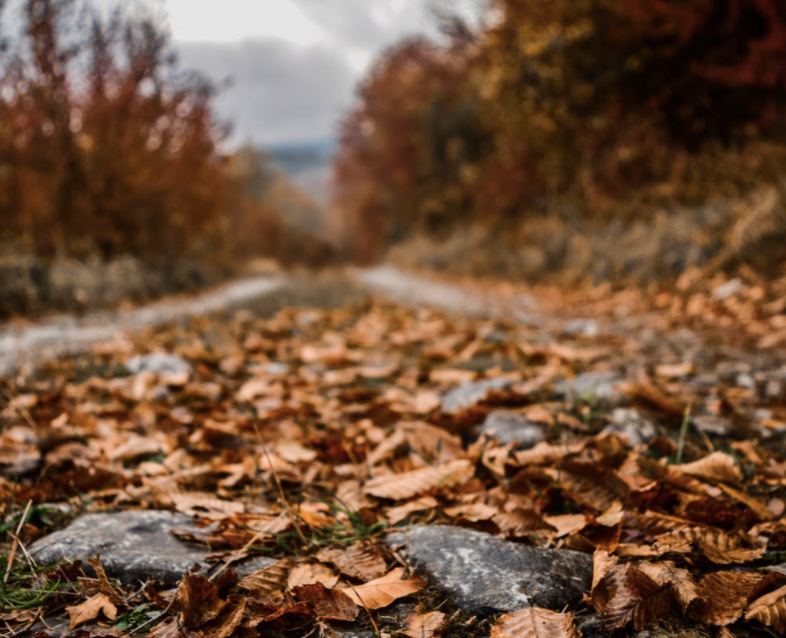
<point>307,436</point>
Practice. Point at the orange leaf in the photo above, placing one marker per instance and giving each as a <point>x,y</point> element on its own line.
<point>312,575</point>
<point>534,622</point>
<point>424,625</point>
<point>770,610</point>
<point>89,610</point>
<point>381,592</point>
<point>270,581</point>
<point>361,561</point>
<point>717,466</point>
<point>725,596</point>
<point>409,484</point>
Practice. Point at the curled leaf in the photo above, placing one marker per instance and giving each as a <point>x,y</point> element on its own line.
<point>381,592</point>
<point>534,622</point>
<point>409,484</point>
<point>770,610</point>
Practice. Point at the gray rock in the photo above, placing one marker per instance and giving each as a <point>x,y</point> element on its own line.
<point>134,545</point>
<point>593,386</point>
<point>471,393</point>
<point>485,574</point>
<point>717,425</point>
<point>510,427</point>
<point>581,327</point>
<point>632,425</point>
<point>727,289</point>
<point>159,363</point>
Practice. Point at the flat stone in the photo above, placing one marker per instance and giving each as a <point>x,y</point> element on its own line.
<point>510,427</point>
<point>134,545</point>
<point>159,363</point>
<point>636,428</point>
<point>593,386</point>
<point>581,327</point>
<point>711,424</point>
<point>471,393</point>
<point>485,574</point>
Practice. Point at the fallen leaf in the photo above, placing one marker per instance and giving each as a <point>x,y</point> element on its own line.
<point>328,604</point>
<point>409,484</point>
<point>630,598</point>
<point>312,574</point>
<point>424,625</point>
<point>534,622</point>
<point>770,610</point>
<point>362,561</point>
<point>717,466</point>
<point>725,596</point>
<point>270,581</point>
<point>90,609</point>
<point>379,593</point>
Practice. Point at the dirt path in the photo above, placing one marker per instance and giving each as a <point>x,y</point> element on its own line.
<point>22,344</point>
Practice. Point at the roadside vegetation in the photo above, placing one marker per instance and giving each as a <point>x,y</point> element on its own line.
<point>529,146</point>
<point>114,181</point>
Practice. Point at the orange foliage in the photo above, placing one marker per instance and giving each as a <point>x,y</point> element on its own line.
<point>554,100</point>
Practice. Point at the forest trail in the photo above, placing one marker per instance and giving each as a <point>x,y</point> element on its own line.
<point>329,434</point>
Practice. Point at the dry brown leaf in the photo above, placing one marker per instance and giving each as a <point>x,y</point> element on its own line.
<point>431,443</point>
<point>424,625</point>
<point>90,609</point>
<point>312,575</point>
<point>602,562</point>
<point>627,596</point>
<point>362,561</point>
<point>546,454</point>
<point>104,585</point>
<point>674,370</point>
<point>719,546</point>
<point>205,505</point>
<point>401,512</point>
<point>199,601</point>
<point>409,484</point>
<point>717,466</point>
<point>521,522</point>
<point>328,604</point>
<point>270,581</point>
<point>757,507</point>
<point>379,593</point>
<point>770,610</point>
<point>472,512</point>
<point>680,581</point>
<point>725,596</point>
<point>534,622</point>
<point>566,524</point>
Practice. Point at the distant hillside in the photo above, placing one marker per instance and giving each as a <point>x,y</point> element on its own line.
<point>308,166</point>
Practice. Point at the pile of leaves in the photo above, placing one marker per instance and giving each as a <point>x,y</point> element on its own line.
<point>307,436</point>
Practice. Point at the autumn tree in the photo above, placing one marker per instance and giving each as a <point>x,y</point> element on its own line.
<point>554,100</point>
<point>105,147</point>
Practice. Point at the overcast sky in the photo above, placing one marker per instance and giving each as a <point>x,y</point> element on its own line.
<point>294,64</point>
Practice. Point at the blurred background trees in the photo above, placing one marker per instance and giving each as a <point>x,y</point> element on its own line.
<point>586,111</point>
<point>107,148</point>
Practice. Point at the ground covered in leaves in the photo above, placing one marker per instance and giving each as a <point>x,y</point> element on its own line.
<point>309,436</point>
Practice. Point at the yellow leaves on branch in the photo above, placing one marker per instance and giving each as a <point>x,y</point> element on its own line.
<point>534,622</point>
<point>381,592</point>
<point>409,484</point>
